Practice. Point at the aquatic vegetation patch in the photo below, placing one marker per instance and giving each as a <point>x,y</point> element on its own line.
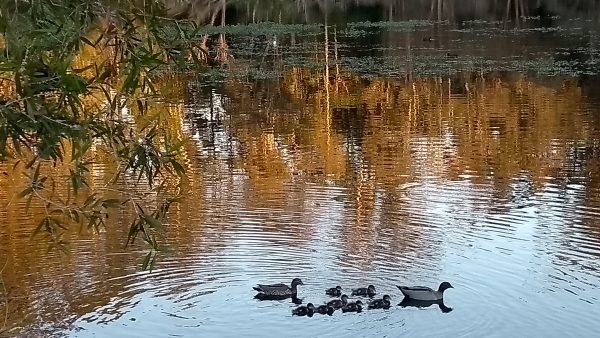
<point>272,47</point>
<point>390,25</point>
<point>357,29</point>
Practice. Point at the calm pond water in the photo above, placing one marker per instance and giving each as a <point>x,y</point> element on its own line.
<point>433,169</point>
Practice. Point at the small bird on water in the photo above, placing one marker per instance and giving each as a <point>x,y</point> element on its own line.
<point>335,292</point>
<point>307,310</point>
<point>383,303</point>
<point>325,310</point>
<point>352,307</point>
<point>368,291</point>
<point>338,303</point>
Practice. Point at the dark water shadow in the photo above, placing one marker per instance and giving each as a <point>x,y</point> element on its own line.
<point>293,298</point>
<point>425,303</point>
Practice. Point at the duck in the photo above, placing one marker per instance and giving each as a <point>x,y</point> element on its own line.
<point>307,310</point>
<point>352,307</point>
<point>278,290</point>
<point>325,310</point>
<point>335,292</point>
<point>425,293</point>
<point>383,303</point>
<point>338,303</point>
<point>368,291</point>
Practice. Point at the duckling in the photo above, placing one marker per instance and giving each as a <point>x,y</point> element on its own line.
<point>353,307</point>
<point>307,310</point>
<point>384,303</point>
<point>425,293</point>
<point>368,291</point>
<point>338,303</point>
<point>325,310</point>
<point>335,292</point>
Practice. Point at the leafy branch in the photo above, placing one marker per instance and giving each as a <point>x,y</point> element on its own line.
<point>53,120</point>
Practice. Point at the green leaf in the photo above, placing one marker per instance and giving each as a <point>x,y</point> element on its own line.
<point>36,173</point>
<point>140,106</point>
<point>90,199</point>
<point>56,212</point>
<point>153,222</point>
<point>74,214</point>
<point>179,169</point>
<point>25,192</point>
<point>133,231</point>
<point>43,223</point>
<point>106,73</point>
<point>153,262</point>
<point>146,261</point>
<point>74,84</point>
<point>31,162</point>
<point>88,42</point>
<point>28,203</point>
<point>15,165</point>
<point>81,70</point>
<point>111,203</point>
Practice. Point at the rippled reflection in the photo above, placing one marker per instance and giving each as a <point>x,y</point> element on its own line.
<point>490,182</point>
<point>425,304</point>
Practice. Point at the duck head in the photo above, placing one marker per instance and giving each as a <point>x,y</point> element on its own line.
<point>296,282</point>
<point>359,303</point>
<point>338,287</point>
<point>387,298</point>
<point>310,306</point>
<point>344,299</point>
<point>445,286</point>
<point>371,288</point>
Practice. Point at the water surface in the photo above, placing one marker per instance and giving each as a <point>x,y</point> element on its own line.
<point>350,176</point>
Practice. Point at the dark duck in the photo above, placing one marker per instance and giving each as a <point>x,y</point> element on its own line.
<point>278,291</point>
<point>335,292</point>
<point>338,303</point>
<point>383,303</point>
<point>368,291</point>
<point>307,310</point>
<point>325,310</point>
<point>352,307</point>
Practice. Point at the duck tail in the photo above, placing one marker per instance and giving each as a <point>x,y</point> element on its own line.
<point>256,288</point>
<point>402,290</point>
